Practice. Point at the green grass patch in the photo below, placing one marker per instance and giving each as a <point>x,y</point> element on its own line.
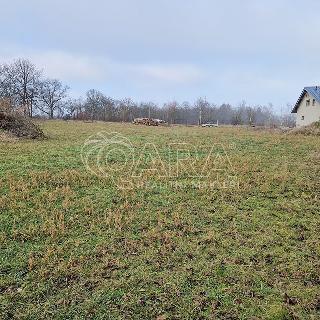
<point>75,246</point>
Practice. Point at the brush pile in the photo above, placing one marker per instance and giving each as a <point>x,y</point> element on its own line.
<point>311,130</point>
<point>15,123</point>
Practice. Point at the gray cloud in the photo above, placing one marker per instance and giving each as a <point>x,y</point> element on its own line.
<point>256,50</point>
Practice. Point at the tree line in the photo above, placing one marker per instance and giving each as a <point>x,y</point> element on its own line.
<point>38,96</point>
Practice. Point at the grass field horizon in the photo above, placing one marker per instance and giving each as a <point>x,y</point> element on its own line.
<point>75,245</point>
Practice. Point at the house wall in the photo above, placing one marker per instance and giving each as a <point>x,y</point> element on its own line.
<point>310,113</point>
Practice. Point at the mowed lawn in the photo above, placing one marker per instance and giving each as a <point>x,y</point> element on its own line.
<point>76,246</point>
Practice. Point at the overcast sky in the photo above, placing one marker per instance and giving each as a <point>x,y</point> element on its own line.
<point>257,50</point>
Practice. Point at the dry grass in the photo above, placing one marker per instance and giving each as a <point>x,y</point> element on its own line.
<point>75,246</point>
<point>310,130</point>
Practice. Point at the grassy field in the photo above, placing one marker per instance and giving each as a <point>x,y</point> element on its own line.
<point>76,246</point>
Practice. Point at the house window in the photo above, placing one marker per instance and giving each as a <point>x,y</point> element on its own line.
<point>314,102</point>
<point>308,102</point>
<point>302,118</point>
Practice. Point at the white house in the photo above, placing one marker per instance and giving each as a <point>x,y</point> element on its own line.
<point>307,107</point>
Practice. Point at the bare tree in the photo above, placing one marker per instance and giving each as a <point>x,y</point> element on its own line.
<point>52,96</point>
<point>22,80</point>
<point>22,85</point>
<point>108,108</point>
<point>202,105</point>
<point>146,109</point>
<point>126,108</point>
<point>3,83</point>
<point>171,110</point>
<point>288,119</point>
<point>225,113</point>
<point>73,108</point>
<point>94,104</point>
<point>251,115</point>
<point>7,88</point>
<point>269,116</point>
